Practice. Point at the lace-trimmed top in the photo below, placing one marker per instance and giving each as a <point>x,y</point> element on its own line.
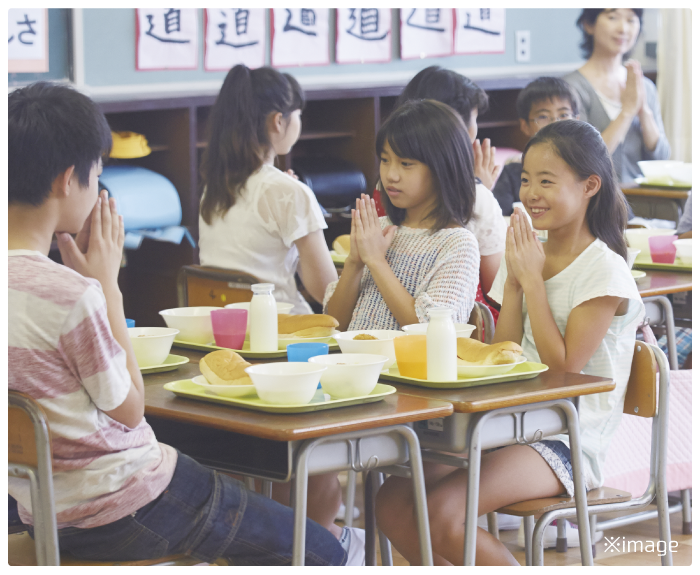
<point>437,269</point>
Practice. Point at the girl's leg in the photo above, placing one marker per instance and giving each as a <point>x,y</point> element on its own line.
<point>515,473</point>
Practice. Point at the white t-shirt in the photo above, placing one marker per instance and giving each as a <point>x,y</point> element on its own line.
<point>487,223</point>
<point>597,272</point>
<point>257,234</point>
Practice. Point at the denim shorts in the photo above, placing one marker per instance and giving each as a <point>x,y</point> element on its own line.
<point>558,456</point>
<point>207,515</point>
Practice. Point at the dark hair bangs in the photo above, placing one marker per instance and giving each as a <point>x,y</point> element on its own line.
<point>542,90</point>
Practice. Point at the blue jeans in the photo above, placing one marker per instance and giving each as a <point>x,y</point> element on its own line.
<point>207,515</point>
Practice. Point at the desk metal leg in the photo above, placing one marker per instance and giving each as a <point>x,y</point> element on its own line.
<point>384,545</point>
<point>266,488</point>
<point>350,497</point>
<point>472,510</point>
<point>301,482</point>
<point>370,520</point>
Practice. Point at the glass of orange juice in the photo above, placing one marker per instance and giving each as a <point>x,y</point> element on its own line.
<point>412,356</point>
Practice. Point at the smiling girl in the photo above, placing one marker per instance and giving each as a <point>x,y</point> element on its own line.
<point>421,255</point>
<point>573,305</point>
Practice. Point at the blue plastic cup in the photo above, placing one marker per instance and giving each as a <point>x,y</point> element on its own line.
<point>130,323</point>
<point>303,351</point>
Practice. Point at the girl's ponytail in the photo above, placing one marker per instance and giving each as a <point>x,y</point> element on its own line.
<point>238,138</point>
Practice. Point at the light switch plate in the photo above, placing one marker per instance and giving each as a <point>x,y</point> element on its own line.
<point>522,46</point>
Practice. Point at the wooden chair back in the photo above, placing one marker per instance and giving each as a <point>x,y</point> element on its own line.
<point>207,286</point>
<point>640,397</point>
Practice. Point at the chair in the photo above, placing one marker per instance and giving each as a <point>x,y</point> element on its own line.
<point>640,401</point>
<point>206,286</point>
<point>483,320</point>
<point>29,456</point>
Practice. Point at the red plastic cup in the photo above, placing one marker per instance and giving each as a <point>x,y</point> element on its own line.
<point>662,249</point>
<point>229,327</point>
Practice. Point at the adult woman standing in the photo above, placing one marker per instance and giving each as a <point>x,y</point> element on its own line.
<point>616,98</point>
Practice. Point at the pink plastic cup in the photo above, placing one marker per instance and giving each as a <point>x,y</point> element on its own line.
<point>662,249</point>
<point>229,327</point>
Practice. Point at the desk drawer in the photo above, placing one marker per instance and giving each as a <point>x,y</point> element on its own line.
<point>450,433</point>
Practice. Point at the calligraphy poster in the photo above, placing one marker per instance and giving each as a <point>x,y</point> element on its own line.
<point>363,35</point>
<point>480,31</point>
<point>234,36</point>
<point>166,39</point>
<point>28,40</point>
<point>426,32</point>
<point>299,37</point>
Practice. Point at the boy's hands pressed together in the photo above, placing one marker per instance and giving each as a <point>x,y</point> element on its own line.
<point>372,242</point>
<point>97,250</point>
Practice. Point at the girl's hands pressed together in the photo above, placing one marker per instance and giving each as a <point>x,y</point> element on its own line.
<point>354,255</point>
<point>372,242</point>
<point>524,252</point>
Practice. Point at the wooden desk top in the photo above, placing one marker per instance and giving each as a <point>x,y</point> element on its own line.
<point>545,387</point>
<point>634,189</point>
<point>658,282</point>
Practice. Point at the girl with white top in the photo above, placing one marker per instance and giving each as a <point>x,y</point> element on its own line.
<point>421,255</point>
<point>255,218</point>
<point>573,305</point>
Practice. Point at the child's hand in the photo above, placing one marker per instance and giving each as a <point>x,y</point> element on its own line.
<point>633,95</point>
<point>524,251</point>
<point>292,174</point>
<point>97,250</point>
<point>485,167</point>
<point>354,255</point>
<point>372,242</point>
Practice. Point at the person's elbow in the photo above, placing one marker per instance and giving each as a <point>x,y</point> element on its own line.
<point>131,411</point>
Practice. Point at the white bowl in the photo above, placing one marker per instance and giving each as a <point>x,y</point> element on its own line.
<point>682,175</point>
<point>151,344</point>
<point>282,307</point>
<point>638,239</point>
<point>349,374</point>
<point>194,323</point>
<point>383,345</point>
<point>283,342</point>
<point>684,251</point>
<point>659,171</point>
<point>468,370</point>
<point>224,390</point>
<point>631,256</point>
<point>288,383</point>
<point>462,329</point>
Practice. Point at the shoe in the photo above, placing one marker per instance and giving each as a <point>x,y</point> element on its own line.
<point>340,516</point>
<point>549,539</point>
<point>505,522</point>
<point>353,541</point>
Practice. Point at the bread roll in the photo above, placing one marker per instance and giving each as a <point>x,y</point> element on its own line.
<point>474,351</point>
<point>225,367</point>
<point>341,245</point>
<point>310,325</point>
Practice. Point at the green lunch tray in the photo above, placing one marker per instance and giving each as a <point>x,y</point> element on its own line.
<point>245,352</point>
<point>171,362</point>
<point>647,264</point>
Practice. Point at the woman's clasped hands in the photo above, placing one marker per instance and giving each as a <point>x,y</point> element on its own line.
<point>368,241</point>
<point>524,252</point>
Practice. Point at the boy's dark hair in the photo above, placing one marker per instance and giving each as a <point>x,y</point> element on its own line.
<point>434,134</point>
<point>544,89</point>
<point>582,147</point>
<point>448,87</point>
<point>589,16</point>
<point>238,138</point>
<point>51,127</point>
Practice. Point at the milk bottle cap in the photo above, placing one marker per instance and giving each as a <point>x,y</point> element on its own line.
<point>262,288</point>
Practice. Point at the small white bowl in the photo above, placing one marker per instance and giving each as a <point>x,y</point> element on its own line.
<point>282,307</point>
<point>383,345</point>
<point>638,239</point>
<point>224,390</point>
<point>462,329</point>
<point>631,256</point>
<point>287,383</point>
<point>468,370</point>
<point>349,374</point>
<point>151,344</point>
<point>684,251</point>
<point>194,323</point>
<point>682,175</point>
<point>659,171</point>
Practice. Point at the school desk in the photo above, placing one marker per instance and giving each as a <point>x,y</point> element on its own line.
<point>508,413</point>
<point>662,202</point>
<point>284,447</point>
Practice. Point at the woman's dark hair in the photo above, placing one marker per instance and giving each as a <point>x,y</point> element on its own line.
<point>544,89</point>
<point>448,87</point>
<point>51,127</point>
<point>238,137</point>
<point>582,147</point>
<point>432,133</point>
<point>589,16</point>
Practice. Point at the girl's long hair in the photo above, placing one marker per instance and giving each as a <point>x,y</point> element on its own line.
<point>582,147</point>
<point>434,134</point>
<point>238,137</point>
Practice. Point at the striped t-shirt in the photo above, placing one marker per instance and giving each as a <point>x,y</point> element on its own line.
<point>596,272</point>
<point>437,269</point>
<point>61,352</point>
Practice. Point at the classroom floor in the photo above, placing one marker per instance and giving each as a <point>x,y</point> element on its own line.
<point>643,531</point>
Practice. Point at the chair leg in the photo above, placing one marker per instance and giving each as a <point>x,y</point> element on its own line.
<point>687,512</point>
<point>266,488</point>
<point>370,478</point>
<point>562,542</point>
<point>384,544</point>
<point>594,528</point>
<point>492,519</point>
<point>528,527</point>
<point>350,497</point>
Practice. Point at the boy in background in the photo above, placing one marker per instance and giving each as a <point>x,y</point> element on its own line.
<point>119,494</point>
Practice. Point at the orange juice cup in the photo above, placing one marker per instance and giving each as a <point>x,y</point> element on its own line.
<point>412,356</point>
